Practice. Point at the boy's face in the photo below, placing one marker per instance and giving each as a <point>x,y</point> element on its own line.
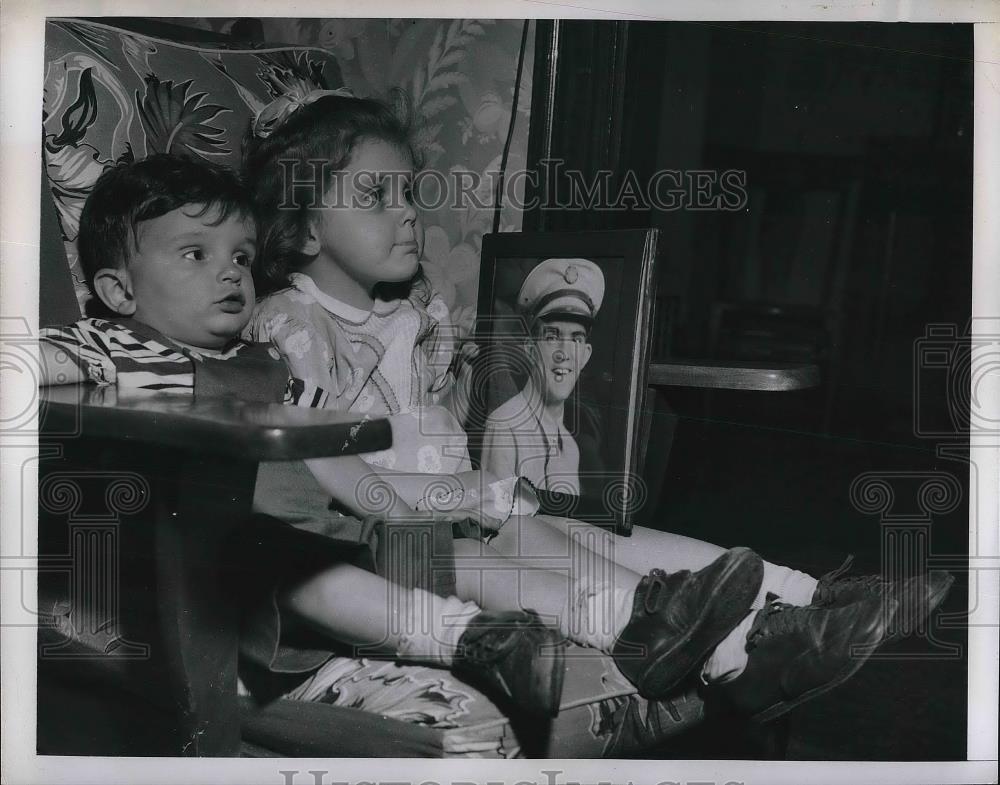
<point>191,280</point>
<point>371,231</point>
<point>562,350</point>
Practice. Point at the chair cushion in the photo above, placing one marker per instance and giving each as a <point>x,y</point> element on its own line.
<point>601,715</point>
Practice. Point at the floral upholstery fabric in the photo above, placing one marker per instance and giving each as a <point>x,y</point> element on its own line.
<point>601,714</point>
<point>112,95</point>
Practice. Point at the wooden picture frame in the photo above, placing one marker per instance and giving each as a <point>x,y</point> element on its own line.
<point>603,414</point>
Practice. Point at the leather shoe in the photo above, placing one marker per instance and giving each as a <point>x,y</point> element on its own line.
<point>917,597</point>
<point>797,653</point>
<point>678,618</point>
<point>515,658</point>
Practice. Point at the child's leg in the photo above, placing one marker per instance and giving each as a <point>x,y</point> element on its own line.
<point>645,550</point>
<point>590,605</point>
<point>360,608</point>
<point>598,553</point>
<point>511,655</point>
<point>657,627</point>
<point>594,557</point>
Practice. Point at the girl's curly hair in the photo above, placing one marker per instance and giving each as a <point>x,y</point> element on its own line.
<point>290,170</point>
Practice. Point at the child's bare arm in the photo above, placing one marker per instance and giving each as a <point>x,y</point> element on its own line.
<point>364,491</point>
<point>351,481</point>
<point>413,486</point>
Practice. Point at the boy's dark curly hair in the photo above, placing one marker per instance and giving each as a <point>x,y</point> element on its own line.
<point>128,194</point>
<point>294,167</point>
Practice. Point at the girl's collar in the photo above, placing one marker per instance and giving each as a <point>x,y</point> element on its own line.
<point>307,285</point>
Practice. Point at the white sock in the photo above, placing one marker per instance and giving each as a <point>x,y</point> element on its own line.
<point>595,615</point>
<point>791,586</point>
<point>430,626</point>
<point>729,658</point>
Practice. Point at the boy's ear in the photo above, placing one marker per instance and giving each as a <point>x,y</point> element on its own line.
<point>310,239</point>
<point>588,349</point>
<point>113,286</point>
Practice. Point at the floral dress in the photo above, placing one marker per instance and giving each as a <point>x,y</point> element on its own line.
<point>393,361</point>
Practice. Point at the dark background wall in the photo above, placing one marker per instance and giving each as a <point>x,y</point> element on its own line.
<point>883,111</point>
<point>887,105</point>
<point>820,117</point>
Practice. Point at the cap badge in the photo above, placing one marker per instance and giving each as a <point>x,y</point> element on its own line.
<point>572,274</point>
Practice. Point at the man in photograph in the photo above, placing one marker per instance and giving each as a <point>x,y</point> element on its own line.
<point>527,435</point>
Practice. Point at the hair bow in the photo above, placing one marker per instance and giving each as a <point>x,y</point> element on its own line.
<point>275,113</point>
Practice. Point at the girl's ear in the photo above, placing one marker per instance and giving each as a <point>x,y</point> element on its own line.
<point>310,239</point>
<point>113,287</point>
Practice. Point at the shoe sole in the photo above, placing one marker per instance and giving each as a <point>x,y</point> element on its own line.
<point>852,667</point>
<point>739,584</point>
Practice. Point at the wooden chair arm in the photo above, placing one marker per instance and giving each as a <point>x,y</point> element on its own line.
<point>220,426</point>
<point>138,501</point>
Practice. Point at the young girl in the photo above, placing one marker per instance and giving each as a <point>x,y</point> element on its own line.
<point>348,307</point>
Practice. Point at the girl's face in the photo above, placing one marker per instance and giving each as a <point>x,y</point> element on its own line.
<point>367,232</point>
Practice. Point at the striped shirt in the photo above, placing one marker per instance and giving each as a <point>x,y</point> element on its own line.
<point>133,356</point>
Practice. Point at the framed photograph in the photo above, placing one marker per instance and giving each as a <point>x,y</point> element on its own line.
<point>563,326</point>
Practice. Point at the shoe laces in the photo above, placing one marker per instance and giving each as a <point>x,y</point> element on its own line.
<point>829,584</point>
<point>776,618</point>
<point>833,575</point>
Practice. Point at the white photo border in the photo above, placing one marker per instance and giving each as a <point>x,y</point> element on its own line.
<point>21,70</point>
